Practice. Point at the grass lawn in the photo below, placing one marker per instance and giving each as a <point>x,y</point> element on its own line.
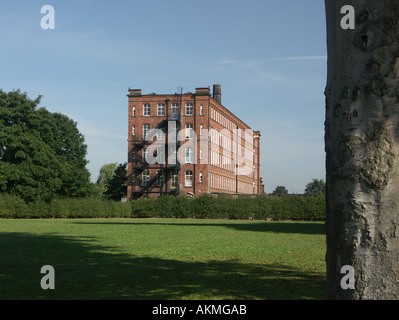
<point>163,259</point>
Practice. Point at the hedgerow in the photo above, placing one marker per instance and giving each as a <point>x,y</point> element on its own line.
<point>291,207</point>
<point>14,207</point>
<point>264,207</point>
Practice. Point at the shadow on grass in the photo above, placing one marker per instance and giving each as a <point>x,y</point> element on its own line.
<point>274,226</point>
<point>85,270</point>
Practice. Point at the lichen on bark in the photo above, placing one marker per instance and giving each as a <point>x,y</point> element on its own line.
<point>362,149</point>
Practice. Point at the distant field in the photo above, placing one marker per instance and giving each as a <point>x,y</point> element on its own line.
<point>162,259</point>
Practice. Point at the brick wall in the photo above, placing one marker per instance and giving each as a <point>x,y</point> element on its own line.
<point>207,115</point>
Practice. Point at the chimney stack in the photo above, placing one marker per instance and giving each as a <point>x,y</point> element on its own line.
<point>203,91</point>
<point>134,93</point>
<point>217,93</point>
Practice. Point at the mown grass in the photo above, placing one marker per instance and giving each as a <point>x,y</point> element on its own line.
<point>162,259</point>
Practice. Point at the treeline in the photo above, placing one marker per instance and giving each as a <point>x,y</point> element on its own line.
<point>43,174</point>
<point>264,207</point>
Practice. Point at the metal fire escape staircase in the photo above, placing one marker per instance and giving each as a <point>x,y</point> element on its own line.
<point>140,164</point>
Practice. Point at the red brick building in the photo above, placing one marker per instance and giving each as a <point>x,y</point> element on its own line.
<point>189,144</point>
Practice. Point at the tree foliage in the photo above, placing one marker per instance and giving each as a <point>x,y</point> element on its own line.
<point>116,188</point>
<point>42,154</point>
<point>316,187</point>
<point>280,191</point>
<point>105,175</point>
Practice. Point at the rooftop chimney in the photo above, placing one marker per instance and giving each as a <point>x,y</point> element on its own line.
<point>134,93</point>
<point>202,91</point>
<point>217,93</point>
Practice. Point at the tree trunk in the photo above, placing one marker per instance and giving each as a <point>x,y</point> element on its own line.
<point>362,149</point>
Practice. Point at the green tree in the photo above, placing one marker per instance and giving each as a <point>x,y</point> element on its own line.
<point>116,188</point>
<point>95,191</point>
<point>105,175</point>
<point>42,154</point>
<point>316,187</point>
<point>280,191</point>
<point>71,149</point>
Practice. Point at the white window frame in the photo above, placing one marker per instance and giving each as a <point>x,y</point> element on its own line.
<point>145,178</point>
<point>146,110</point>
<point>161,180</point>
<point>188,180</point>
<point>175,179</point>
<point>200,178</point>
<point>189,155</point>
<point>144,153</point>
<point>189,109</point>
<point>160,135</point>
<point>161,109</point>
<point>146,129</point>
<point>174,108</point>
<point>189,131</point>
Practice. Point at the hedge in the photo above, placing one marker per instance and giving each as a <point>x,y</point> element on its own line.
<point>14,207</point>
<point>291,207</point>
<point>265,207</point>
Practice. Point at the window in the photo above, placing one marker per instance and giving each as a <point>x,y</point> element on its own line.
<point>189,179</point>
<point>146,129</point>
<point>189,109</point>
<point>133,154</point>
<point>134,111</point>
<point>160,135</point>
<point>189,155</point>
<point>145,178</point>
<point>133,178</point>
<point>133,130</point>
<point>160,155</point>
<point>201,110</point>
<point>200,177</point>
<point>146,109</point>
<point>201,130</point>
<point>145,153</point>
<point>201,154</point>
<point>189,131</point>
<point>173,157</point>
<point>175,179</point>
<point>161,109</point>
<point>161,180</point>
<point>175,111</point>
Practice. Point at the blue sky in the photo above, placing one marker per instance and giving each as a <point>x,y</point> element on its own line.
<point>269,57</point>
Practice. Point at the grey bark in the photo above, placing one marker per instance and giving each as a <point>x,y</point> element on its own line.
<point>362,149</point>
